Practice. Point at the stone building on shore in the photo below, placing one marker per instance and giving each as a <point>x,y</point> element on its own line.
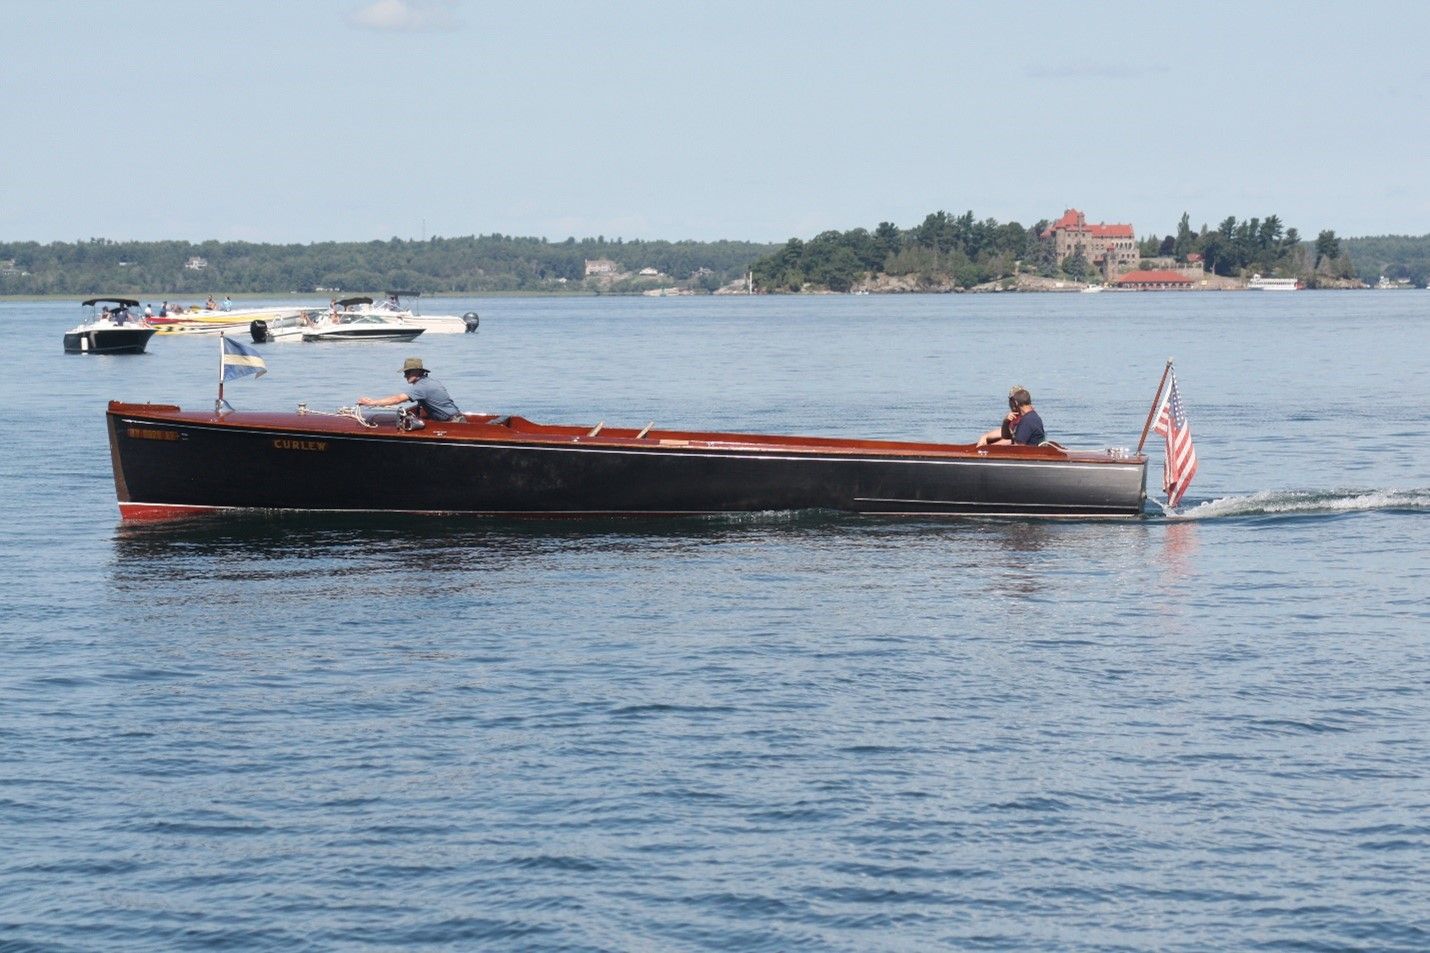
<point>1112,249</point>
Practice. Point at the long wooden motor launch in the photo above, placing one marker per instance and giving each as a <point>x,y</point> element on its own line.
<point>170,462</point>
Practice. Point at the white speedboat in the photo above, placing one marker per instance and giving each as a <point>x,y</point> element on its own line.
<point>114,330</point>
<point>359,326</point>
<point>432,323</point>
<point>214,322</point>
<point>287,326</point>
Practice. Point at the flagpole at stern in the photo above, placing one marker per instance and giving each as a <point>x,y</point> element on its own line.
<point>218,404</point>
<point>1156,402</point>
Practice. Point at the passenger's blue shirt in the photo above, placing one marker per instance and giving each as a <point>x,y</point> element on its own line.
<point>1030,429</point>
<point>433,398</point>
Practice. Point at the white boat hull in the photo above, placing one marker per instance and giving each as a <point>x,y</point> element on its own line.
<point>438,323</point>
<point>361,331</point>
<point>214,322</point>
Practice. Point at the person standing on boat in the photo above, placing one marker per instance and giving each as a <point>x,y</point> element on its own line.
<point>431,398</point>
<point>1023,425</point>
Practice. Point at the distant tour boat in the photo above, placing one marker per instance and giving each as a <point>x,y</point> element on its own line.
<point>1258,283</point>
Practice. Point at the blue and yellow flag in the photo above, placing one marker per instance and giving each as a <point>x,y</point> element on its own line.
<point>240,360</point>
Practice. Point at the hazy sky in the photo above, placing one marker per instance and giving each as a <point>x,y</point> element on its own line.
<point>313,120</point>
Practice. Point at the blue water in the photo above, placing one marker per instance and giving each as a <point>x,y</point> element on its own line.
<point>777,732</point>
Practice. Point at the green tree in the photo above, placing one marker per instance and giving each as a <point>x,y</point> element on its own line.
<point>1213,245</point>
<point>936,232</point>
<point>1183,244</point>
<point>1011,239</point>
<point>1327,246</point>
<point>889,239</point>
<point>1076,265</point>
<point>1270,234</point>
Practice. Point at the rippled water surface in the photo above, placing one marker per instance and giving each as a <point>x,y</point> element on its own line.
<point>777,732</point>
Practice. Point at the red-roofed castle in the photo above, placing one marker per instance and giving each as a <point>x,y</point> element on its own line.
<point>1112,248</point>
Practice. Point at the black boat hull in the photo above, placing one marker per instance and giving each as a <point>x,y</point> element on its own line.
<point>117,340</point>
<point>165,466</point>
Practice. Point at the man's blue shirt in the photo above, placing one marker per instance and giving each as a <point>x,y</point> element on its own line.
<point>433,398</point>
<point>1029,430</point>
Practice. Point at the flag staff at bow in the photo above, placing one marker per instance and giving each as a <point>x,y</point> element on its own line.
<point>1174,427</point>
<point>235,359</point>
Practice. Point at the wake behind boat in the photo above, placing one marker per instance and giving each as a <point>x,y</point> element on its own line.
<point>170,463</point>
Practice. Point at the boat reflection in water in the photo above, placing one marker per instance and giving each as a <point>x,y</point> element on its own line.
<point>171,463</point>
<point>298,543</point>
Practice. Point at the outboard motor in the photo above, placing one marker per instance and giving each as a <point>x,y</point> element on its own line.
<point>471,319</point>
<point>258,330</point>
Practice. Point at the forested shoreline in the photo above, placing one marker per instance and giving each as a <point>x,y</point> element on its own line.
<point>961,252</point>
<point>944,252</point>
<point>472,264</point>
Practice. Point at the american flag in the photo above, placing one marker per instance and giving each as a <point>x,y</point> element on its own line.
<point>1172,424</point>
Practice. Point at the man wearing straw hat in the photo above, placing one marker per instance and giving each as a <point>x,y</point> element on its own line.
<point>431,398</point>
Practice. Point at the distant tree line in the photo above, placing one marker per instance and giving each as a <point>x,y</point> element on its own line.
<point>943,251</point>
<point>962,251</point>
<point>943,248</point>
<point>1254,246</point>
<point>479,263</point>
<point>1233,247</point>
<point>1397,257</point>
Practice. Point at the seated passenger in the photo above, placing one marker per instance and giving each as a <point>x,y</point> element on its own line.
<point>1022,426</point>
<point>431,398</point>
